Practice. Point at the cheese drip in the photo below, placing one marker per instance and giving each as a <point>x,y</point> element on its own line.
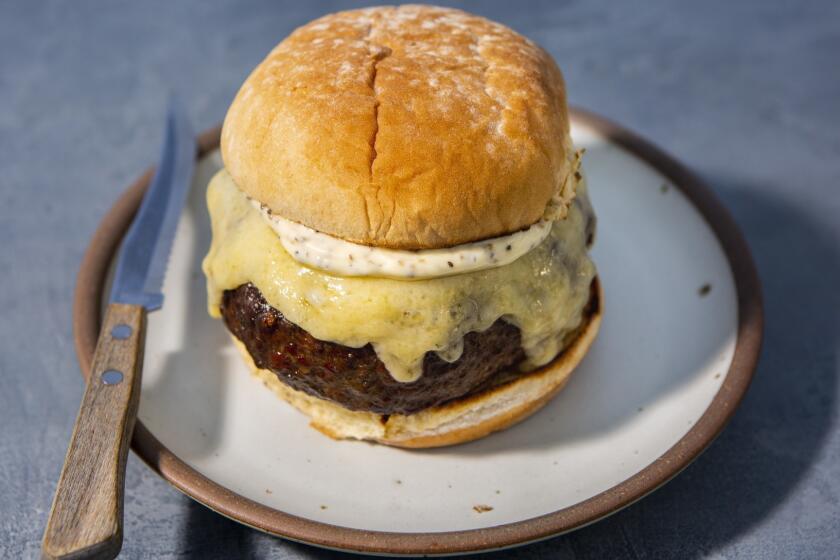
<point>543,292</point>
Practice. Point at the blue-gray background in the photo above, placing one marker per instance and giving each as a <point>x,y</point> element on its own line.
<point>747,94</point>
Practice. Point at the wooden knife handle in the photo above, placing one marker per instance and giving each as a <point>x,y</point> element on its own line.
<point>86,516</point>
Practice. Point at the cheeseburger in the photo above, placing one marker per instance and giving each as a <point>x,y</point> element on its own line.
<point>400,231</point>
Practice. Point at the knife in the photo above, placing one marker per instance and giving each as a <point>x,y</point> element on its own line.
<point>86,516</point>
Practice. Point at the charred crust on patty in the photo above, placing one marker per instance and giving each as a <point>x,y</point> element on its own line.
<point>355,377</point>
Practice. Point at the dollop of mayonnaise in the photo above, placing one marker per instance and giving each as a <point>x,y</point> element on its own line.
<point>345,258</point>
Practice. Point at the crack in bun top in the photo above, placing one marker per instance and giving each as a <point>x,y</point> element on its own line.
<point>408,128</point>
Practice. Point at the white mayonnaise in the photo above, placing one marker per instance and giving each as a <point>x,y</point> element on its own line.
<point>345,258</point>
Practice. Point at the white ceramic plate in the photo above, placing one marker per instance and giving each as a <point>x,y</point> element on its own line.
<point>669,335</point>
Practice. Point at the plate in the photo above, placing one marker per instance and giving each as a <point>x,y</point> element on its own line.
<point>678,345</point>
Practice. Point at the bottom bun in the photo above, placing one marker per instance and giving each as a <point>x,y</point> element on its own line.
<point>458,421</point>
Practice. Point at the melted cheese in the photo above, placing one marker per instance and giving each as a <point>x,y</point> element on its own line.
<point>543,292</point>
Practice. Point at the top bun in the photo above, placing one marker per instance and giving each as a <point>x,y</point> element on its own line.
<point>411,128</point>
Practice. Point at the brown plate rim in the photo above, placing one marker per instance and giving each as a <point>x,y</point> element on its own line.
<point>90,286</point>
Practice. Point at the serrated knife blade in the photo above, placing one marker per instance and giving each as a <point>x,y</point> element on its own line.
<point>141,265</point>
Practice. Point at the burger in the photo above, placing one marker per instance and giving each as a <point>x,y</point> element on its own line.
<point>401,227</point>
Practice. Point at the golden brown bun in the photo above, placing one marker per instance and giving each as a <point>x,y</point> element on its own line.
<point>456,422</point>
<point>413,127</point>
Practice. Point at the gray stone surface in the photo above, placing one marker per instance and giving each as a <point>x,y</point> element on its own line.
<point>747,94</point>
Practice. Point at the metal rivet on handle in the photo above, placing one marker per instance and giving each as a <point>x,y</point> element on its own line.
<point>111,377</point>
<point>121,331</point>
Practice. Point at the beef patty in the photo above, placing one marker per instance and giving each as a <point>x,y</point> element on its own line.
<point>355,377</point>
